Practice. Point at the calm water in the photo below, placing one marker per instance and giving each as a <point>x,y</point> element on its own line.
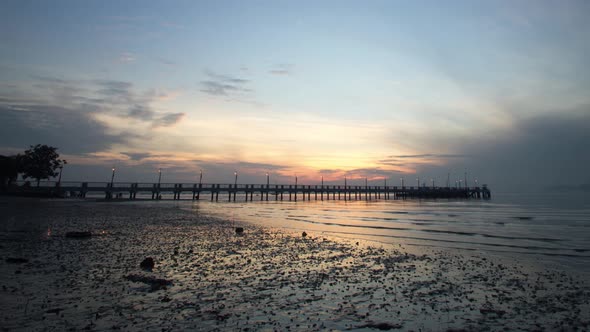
<point>541,228</point>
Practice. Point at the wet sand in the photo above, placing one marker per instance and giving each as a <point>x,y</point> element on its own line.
<point>207,277</point>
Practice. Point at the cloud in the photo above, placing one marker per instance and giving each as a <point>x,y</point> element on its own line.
<point>141,112</point>
<point>279,72</point>
<point>388,162</point>
<point>371,173</point>
<point>114,88</point>
<point>52,80</point>
<point>282,69</point>
<point>429,155</point>
<point>232,89</point>
<point>221,85</point>
<point>540,151</point>
<point>329,172</point>
<point>120,98</point>
<point>219,89</point>
<point>168,120</point>
<point>360,173</point>
<point>401,163</point>
<point>126,57</point>
<point>71,130</point>
<point>114,93</point>
<point>260,166</point>
<point>242,166</point>
<point>137,156</point>
<point>165,95</point>
<point>66,113</point>
<point>142,166</point>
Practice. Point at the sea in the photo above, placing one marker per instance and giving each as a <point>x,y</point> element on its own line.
<point>547,229</point>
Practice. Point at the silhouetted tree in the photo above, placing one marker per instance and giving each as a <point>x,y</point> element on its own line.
<point>40,162</point>
<point>9,169</point>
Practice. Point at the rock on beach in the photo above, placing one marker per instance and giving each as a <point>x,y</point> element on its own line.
<point>147,264</point>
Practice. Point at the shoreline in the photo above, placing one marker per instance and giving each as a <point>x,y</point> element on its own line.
<point>265,279</point>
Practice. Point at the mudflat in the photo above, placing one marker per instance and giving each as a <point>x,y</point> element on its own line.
<point>203,275</point>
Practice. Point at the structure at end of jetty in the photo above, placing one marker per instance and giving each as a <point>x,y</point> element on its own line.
<point>248,192</point>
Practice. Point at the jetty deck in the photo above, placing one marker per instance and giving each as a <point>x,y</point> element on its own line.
<point>252,192</point>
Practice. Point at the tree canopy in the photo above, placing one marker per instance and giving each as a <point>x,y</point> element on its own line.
<point>40,162</point>
<point>9,169</point>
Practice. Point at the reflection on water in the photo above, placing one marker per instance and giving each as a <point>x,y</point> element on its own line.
<point>547,228</point>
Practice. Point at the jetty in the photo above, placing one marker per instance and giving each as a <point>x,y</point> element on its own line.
<point>248,192</point>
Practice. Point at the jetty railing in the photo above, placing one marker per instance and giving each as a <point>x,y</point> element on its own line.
<point>263,192</point>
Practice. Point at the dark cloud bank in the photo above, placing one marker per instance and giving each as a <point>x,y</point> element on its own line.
<point>74,132</point>
<point>66,117</point>
<point>543,152</point>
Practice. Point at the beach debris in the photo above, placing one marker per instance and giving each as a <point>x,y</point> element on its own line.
<point>303,234</point>
<point>147,264</point>
<point>78,235</point>
<point>155,283</point>
<point>381,326</point>
<point>239,230</point>
<point>54,311</point>
<point>488,309</point>
<point>16,260</point>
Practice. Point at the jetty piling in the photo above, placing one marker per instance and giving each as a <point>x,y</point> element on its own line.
<point>113,190</point>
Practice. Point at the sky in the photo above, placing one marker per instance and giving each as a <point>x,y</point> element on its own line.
<point>377,90</point>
